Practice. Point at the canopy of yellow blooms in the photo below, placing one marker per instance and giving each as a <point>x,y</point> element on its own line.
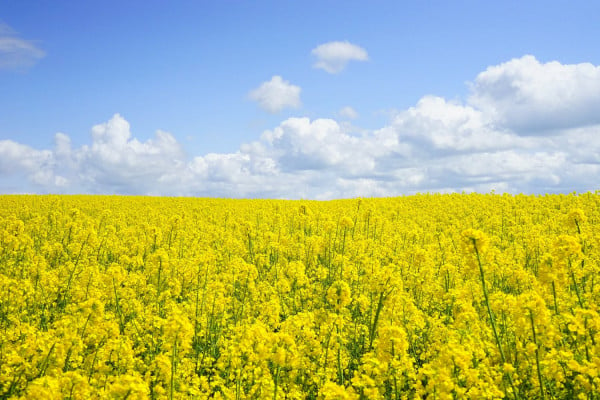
<point>427,296</point>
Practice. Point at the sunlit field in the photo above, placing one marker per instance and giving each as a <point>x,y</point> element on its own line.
<point>426,296</point>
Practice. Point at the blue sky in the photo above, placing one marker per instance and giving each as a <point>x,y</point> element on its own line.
<point>320,99</point>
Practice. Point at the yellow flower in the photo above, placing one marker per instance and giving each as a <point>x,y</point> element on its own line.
<point>508,368</point>
<point>346,223</point>
<point>333,391</point>
<point>473,238</point>
<point>576,218</point>
<point>339,295</point>
<point>566,246</point>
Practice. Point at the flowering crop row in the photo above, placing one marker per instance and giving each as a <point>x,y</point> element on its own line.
<point>426,296</point>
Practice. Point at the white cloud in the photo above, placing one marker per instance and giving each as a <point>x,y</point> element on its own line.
<point>16,157</point>
<point>15,52</point>
<point>530,97</point>
<point>22,165</point>
<point>299,144</point>
<point>443,126</point>
<point>348,113</point>
<point>333,56</point>
<point>119,162</point>
<point>436,145</point>
<point>276,94</point>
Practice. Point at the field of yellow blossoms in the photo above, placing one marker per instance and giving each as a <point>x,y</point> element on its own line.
<point>426,296</point>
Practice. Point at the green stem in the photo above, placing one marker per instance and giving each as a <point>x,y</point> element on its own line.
<point>173,368</point>
<point>118,309</point>
<point>375,320</point>
<point>572,274</point>
<point>44,363</point>
<point>537,356</point>
<point>491,315</point>
<point>276,383</point>
<point>343,251</point>
<point>339,357</point>
<point>554,295</point>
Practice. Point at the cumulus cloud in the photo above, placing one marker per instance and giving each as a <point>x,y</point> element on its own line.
<point>276,94</point>
<point>436,124</point>
<point>17,157</point>
<point>530,97</point>
<point>437,145</point>
<point>334,56</point>
<point>118,162</point>
<point>38,167</point>
<point>16,52</point>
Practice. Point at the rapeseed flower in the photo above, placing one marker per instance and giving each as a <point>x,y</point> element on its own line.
<point>445,296</point>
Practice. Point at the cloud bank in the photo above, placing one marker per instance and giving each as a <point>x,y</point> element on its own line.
<point>525,127</point>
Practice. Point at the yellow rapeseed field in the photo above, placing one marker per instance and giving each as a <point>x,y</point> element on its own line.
<point>426,296</point>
